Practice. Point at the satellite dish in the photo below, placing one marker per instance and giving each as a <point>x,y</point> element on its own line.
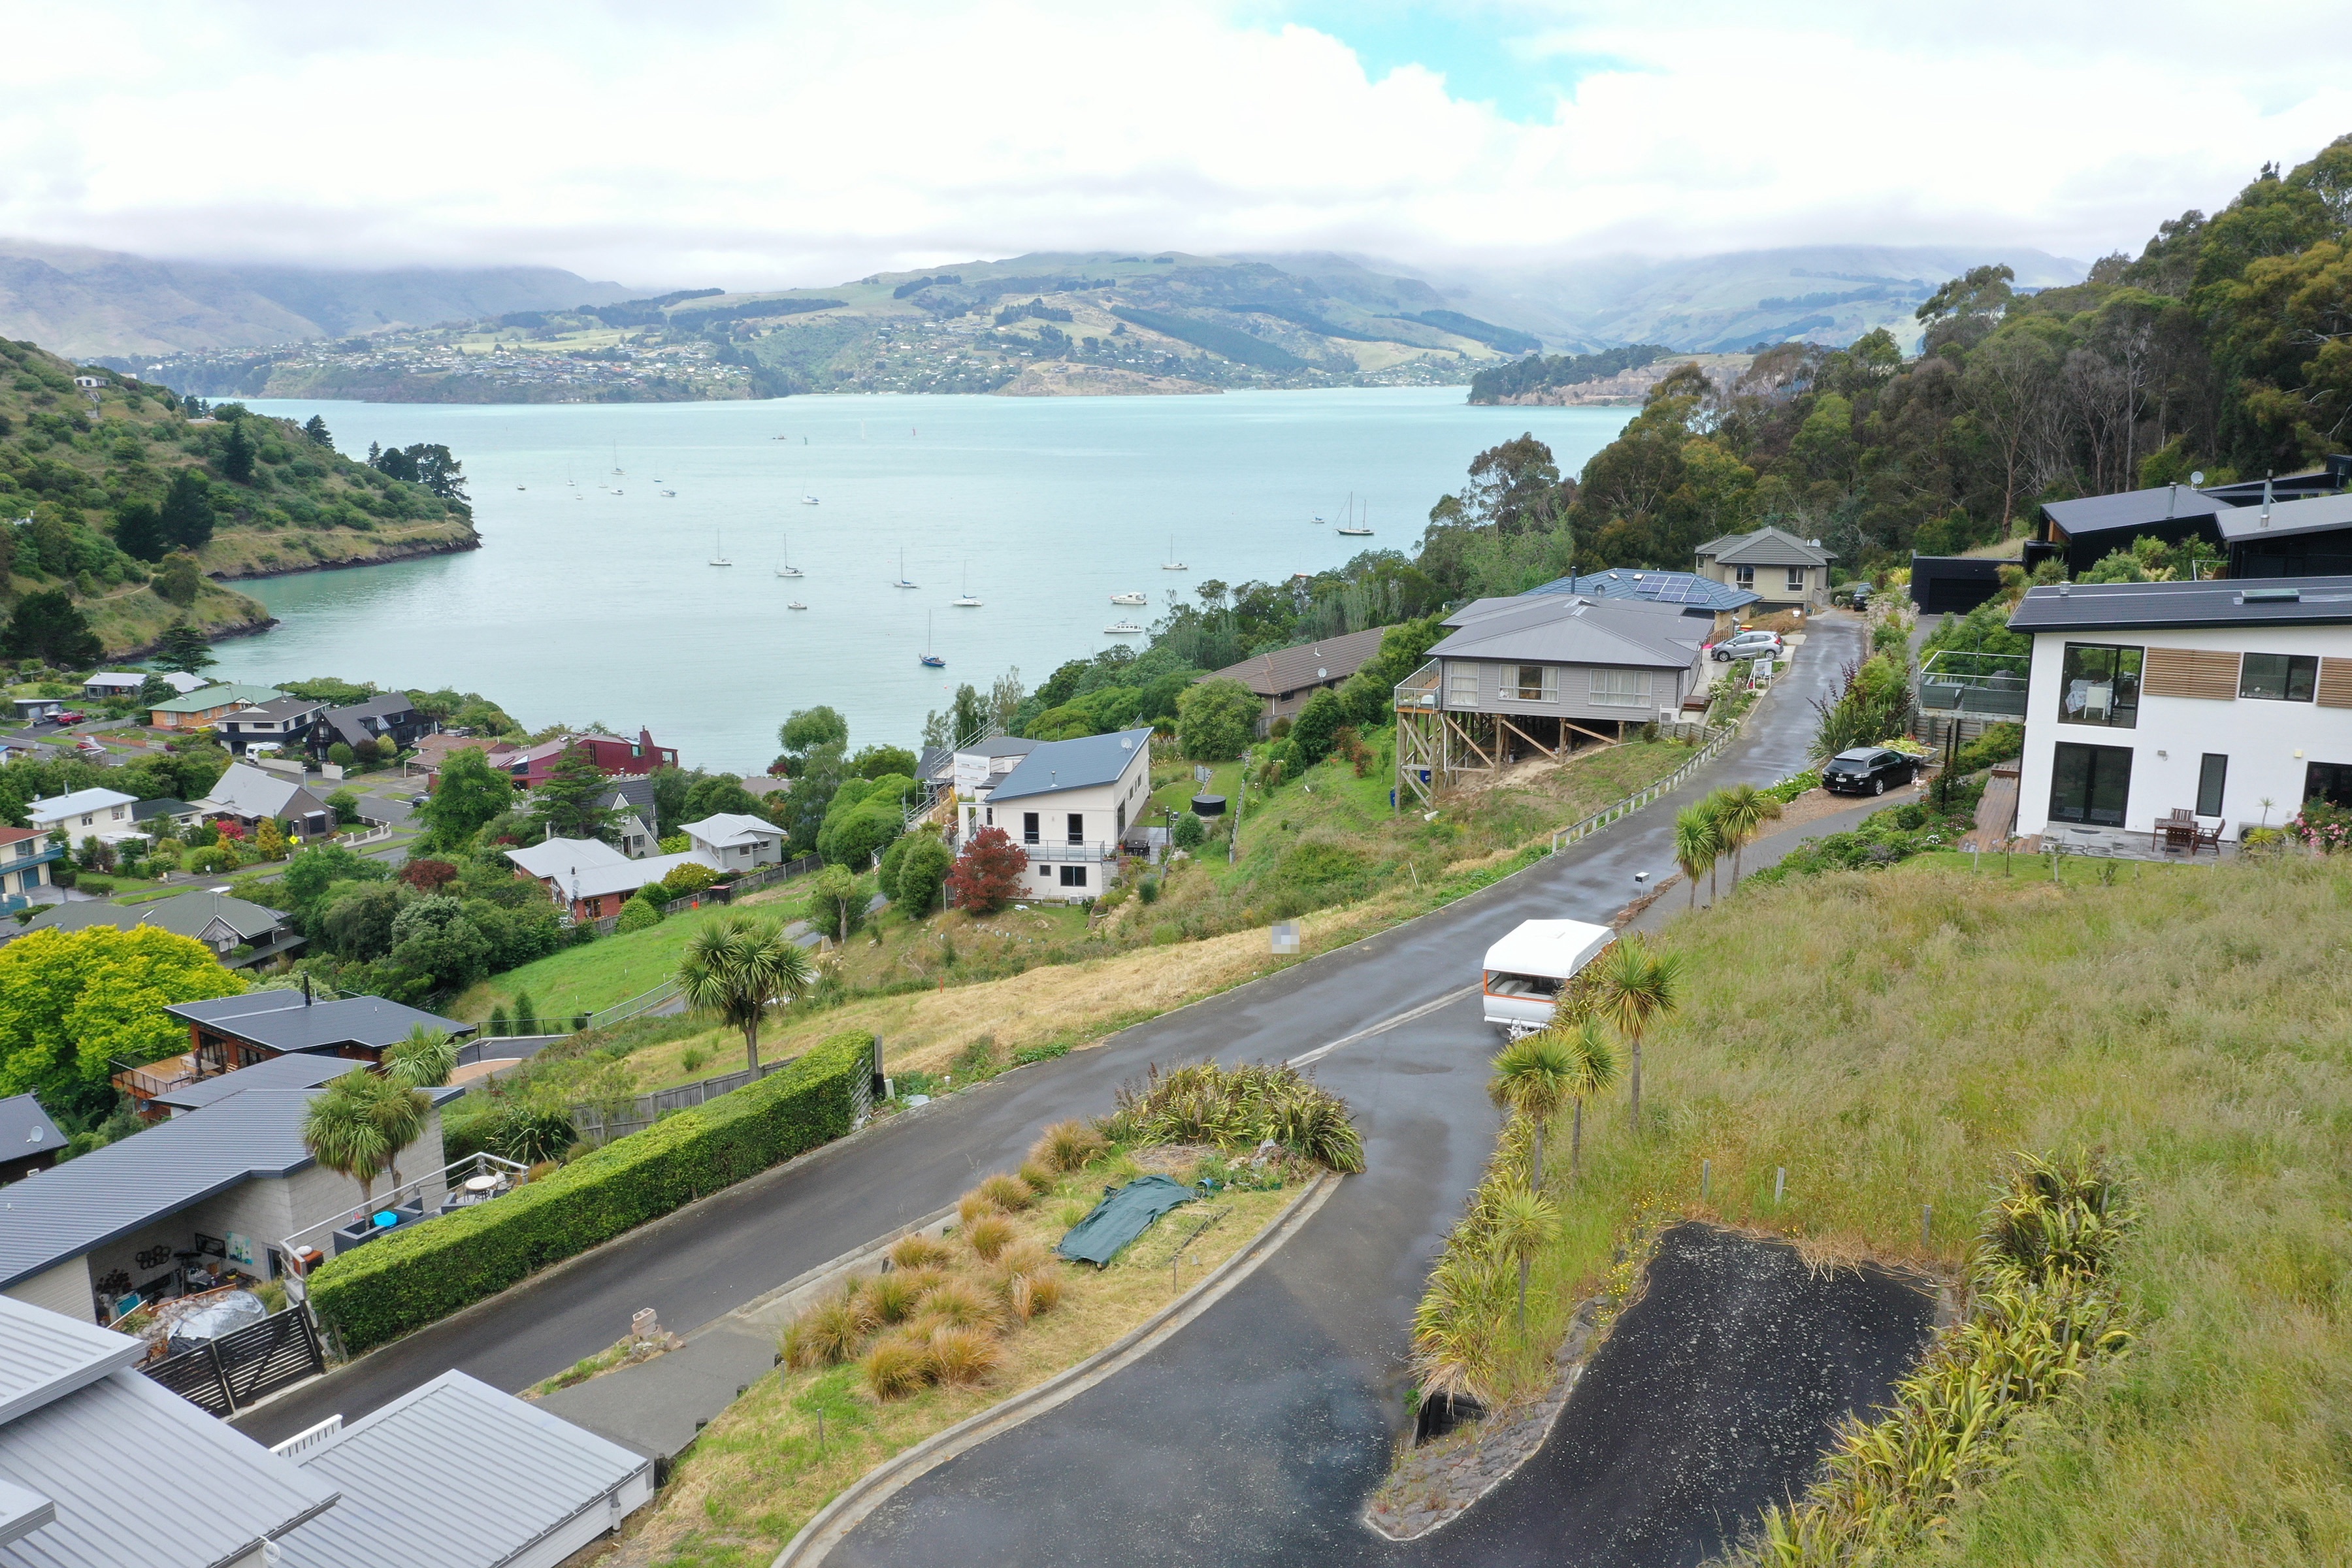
<point>2198,478</point>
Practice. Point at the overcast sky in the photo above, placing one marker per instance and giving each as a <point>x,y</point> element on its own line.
<point>750,145</point>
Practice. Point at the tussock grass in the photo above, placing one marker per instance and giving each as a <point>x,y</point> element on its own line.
<point>1010,1193</point>
<point>1892,1038</point>
<point>919,1252</point>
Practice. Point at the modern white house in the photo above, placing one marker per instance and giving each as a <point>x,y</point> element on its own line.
<point>84,814</point>
<point>736,841</point>
<point>1067,803</point>
<point>2229,700</point>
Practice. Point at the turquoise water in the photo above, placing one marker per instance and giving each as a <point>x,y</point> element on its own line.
<point>584,606</point>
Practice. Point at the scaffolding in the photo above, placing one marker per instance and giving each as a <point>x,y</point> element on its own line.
<point>1434,747</point>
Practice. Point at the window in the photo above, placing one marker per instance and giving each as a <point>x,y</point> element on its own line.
<point>1462,686</point>
<point>2090,785</point>
<point>2278,676</point>
<point>2099,685</point>
<point>1620,689</point>
<point>1074,876</point>
<point>1122,817</point>
<point>1796,579</point>
<point>1029,828</point>
<point>2210,778</point>
<point>1744,575</point>
<point>1078,827</point>
<point>2330,782</point>
<point>1536,683</point>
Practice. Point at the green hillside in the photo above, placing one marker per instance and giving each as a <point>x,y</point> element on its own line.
<point>133,511</point>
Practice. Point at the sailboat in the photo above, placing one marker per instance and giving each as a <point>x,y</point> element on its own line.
<point>784,568</point>
<point>931,660</point>
<point>718,551</point>
<point>1351,528</point>
<point>904,580</point>
<point>1171,564</point>
<point>967,602</point>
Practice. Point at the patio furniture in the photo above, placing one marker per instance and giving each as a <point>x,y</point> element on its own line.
<point>2207,837</point>
<point>2176,832</point>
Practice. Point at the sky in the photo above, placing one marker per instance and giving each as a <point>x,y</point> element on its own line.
<point>764,144</point>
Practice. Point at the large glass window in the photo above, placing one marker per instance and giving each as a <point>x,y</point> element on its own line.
<point>2099,685</point>
<point>1536,683</point>
<point>2090,785</point>
<point>2278,676</point>
<point>2212,776</point>
<point>1620,689</point>
<point>2330,782</point>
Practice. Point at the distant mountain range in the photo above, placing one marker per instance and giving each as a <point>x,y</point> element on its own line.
<point>93,304</point>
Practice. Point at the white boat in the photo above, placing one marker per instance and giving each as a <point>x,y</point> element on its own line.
<point>1351,528</point>
<point>1316,521</point>
<point>1128,599</point>
<point>967,602</point>
<point>808,500</point>
<point>718,551</point>
<point>1171,564</point>
<point>669,492</point>
<point>904,580</point>
<point>1122,629</point>
<point>522,486</point>
<point>793,603</point>
<point>784,568</point>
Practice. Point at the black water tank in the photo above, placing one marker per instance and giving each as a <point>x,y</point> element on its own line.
<point>1208,805</point>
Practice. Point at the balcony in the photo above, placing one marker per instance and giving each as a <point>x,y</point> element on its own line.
<point>1417,692</point>
<point>1974,685</point>
<point>1060,852</point>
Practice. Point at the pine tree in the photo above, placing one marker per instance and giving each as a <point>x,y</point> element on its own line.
<point>139,531</point>
<point>188,511</point>
<point>238,454</point>
<point>183,648</point>
<point>317,430</point>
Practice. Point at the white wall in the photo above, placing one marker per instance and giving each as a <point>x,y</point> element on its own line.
<point>1101,807</point>
<point>2268,743</point>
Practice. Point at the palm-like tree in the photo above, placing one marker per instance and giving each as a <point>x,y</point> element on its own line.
<point>341,1133</point>
<point>1531,1077</point>
<point>738,967</point>
<point>1698,845</point>
<point>423,1060</point>
<point>1639,987</point>
<point>1741,812</point>
<point>1525,1221</point>
<point>399,1112</point>
<point>1593,1070</point>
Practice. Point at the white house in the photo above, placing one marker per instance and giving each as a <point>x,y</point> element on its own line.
<point>737,842</point>
<point>2210,697</point>
<point>592,878</point>
<point>1066,803</point>
<point>85,812</point>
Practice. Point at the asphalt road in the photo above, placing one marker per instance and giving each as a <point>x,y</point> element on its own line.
<point>1420,1088</point>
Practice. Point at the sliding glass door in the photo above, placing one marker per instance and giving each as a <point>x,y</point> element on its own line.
<point>2090,785</point>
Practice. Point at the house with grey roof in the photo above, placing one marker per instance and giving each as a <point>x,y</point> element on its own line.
<point>186,1204</point>
<point>294,725</point>
<point>1068,805</point>
<point>1784,571</point>
<point>100,1466</point>
<point>252,796</point>
<point>390,716</point>
<point>736,841</point>
<point>241,933</point>
<point>1284,678</point>
<point>85,814</point>
<point>590,880</point>
<point>1542,674</point>
<point>29,1140</point>
<point>1719,603</point>
<point>225,1033</point>
<point>636,817</point>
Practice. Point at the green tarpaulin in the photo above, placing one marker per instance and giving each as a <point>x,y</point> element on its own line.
<point>1124,1214</point>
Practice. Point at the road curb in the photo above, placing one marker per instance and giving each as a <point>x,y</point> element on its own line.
<point>850,1506</point>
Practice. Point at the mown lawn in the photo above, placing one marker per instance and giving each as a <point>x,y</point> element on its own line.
<point>1891,1039</point>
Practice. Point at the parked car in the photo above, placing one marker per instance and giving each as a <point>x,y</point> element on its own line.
<point>1748,645</point>
<point>1867,770</point>
<point>69,717</point>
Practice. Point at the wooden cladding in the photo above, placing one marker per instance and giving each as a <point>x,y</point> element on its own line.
<point>2193,673</point>
<point>2335,683</point>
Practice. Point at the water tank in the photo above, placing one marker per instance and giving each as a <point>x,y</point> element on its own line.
<point>1208,805</point>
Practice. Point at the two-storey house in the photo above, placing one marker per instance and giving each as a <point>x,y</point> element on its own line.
<point>295,725</point>
<point>1784,571</point>
<point>1067,803</point>
<point>2231,700</point>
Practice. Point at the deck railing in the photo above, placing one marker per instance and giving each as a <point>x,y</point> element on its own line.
<point>1957,681</point>
<point>1418,692</point>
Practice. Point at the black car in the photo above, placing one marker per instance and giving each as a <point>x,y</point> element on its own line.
<point>1867,770</point>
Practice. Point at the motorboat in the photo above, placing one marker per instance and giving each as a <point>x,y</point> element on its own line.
<point>1122,629</point>
<point>1128,599</point>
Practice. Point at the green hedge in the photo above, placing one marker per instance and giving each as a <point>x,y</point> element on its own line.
<point>417,1277</point>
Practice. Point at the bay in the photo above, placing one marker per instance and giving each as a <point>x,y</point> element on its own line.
<point>593,598</point>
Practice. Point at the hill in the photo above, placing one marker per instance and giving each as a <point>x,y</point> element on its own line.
<point>94,304</point>
<point>134,508</point>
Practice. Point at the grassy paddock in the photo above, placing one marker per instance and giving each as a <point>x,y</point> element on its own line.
<point>1892,1037</point>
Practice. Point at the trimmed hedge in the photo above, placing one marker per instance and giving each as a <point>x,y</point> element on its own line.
<point>416,1277</point>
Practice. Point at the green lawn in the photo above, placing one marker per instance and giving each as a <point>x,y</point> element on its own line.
<point>585,979</point>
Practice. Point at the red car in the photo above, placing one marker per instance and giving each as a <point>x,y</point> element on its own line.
<point>70,717</point>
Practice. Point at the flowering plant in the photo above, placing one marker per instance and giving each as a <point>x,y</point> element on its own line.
<point>2326,828</point>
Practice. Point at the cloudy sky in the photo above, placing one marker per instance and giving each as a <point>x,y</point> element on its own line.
<point>769,142</point>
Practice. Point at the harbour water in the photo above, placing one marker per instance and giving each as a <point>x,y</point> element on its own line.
<point>593,599</point>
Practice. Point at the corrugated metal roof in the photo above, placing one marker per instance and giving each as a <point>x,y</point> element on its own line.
<point>2254,601</point>
<point>1057,765</point>
<point>1286,669</point>
<point>21,1512</point>
<point>26,1128</point>
<point>184,914</point>
<point>49,1355</point>
<point>2316,515</point>
<point>244,791</point>
<point>454,1475</point>
<point>141,1479</point>
<point>279,1020</point>
<point>63,1212</point>
<point>1560,630</point>
<point>213,697</point>
<point>297,1071</point>
<point>2133,509</point>
<point>728,829</point>
<point>77,803</point>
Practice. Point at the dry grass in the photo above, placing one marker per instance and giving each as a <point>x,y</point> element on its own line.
<point>1892,1038</point>
<point>757,1474</point>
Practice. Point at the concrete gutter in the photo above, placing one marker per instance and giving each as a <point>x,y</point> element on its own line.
<point>853,1503</point>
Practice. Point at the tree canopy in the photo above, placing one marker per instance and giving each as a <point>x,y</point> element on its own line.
<point>74,1003</point>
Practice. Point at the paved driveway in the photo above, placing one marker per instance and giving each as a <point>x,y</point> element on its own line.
<point>1420,1088</point>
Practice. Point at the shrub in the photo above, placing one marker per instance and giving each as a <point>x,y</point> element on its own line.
<point>1040,1178</point>
<point>890,1298</point>
<point>988,874</point>
<point>1041,1053</point>
<point>1044,1290</point>
<point>1238,1108</point>
<point>919,1252</point>
<point>1068,1145</point>
<point>962,1357</point>
<point>988,1235</point>
<point>342,755</point>
<point>427,1271</point>
<point>922,873</point>
<point>973,1206</point>
<point>1998,743</point>
<point>685,881</point>
<point>828,1333</point>
<point>953,1301</point>
<point>1188,833</point>
<point>896,1366</point>
<point>692,1057</point>
<point>637,914</point>
<point>1010,1193</point>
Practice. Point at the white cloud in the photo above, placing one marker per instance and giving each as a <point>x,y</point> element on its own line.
<point>793,143</point>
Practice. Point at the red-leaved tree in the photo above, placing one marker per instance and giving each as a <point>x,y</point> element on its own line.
<point>988,873</point>
<point>429,876</point>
